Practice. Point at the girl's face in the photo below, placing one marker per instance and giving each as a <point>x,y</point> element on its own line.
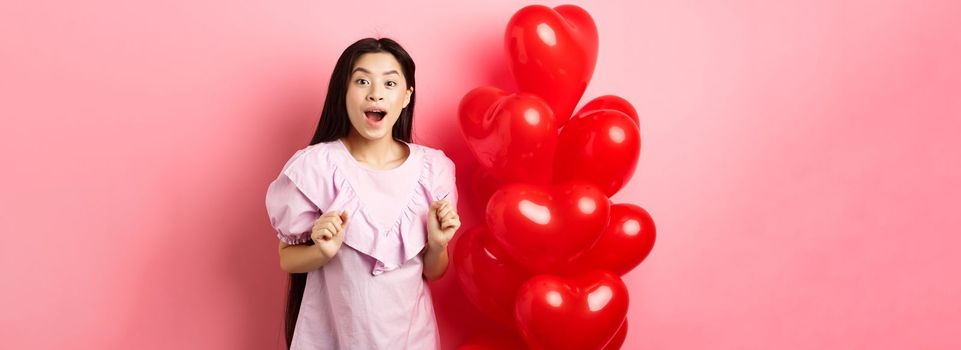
<point>376,94</point>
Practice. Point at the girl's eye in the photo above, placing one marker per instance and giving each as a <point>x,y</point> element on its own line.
<point>391,83</point>
<point>361,81</point>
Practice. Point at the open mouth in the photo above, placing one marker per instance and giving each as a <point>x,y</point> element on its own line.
<point>375,113</point>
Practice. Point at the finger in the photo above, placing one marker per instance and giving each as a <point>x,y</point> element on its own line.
<point>331,228</point>
<point>336,216</point>
<point>344,216</point>
<point>321,235</point>
<point>323,219</point>
<point>444,213</point>
<point>448,222</point>
<point>453,222</point>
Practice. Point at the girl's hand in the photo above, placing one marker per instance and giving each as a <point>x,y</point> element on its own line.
<point>442,222</point>
<point>328,232</point>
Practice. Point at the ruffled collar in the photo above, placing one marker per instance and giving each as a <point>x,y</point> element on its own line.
<point>393,245</point>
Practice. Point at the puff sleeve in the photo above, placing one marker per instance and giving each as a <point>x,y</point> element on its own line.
<point>291,214</point>
<point>444,178</point>
<point>292,198</point>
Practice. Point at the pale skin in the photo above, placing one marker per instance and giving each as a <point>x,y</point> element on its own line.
<point>376,81</point>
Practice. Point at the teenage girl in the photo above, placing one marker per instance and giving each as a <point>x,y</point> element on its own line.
<point>363,214</point>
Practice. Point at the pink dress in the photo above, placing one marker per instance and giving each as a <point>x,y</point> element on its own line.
<point>372,294</point>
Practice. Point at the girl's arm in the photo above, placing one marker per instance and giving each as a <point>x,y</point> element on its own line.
<point>301,258</point>
<point>327,235</point>
<point>435,262</point>
<point>442,223</point>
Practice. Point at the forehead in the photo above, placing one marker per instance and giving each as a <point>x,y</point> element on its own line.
<point>377,63</point>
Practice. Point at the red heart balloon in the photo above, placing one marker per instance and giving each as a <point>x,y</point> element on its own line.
<point>600,147</point>
<point>582,312</point>
<point>618,340</point>
<point>514,135</point>
<point>552,54</point>
<point>487,276</point>
<point>624,243</point>
<point>483,185</point>
<point>543,228</point>
<point>610,102</point>
<point>473,107</point>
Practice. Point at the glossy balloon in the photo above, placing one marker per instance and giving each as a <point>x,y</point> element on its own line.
<point>582,312</point>
<point>543,228</point>
<point>474,106</point>
<point>624,243</point>
<point>601,147</point>
<point>482,187</point>
<point>487,276</point>
<point>618,340</point>
<point>610,102</point>
<point>514,135</point>
<point>552,54</point>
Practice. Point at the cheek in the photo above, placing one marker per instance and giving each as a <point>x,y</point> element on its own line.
<point>397,100</point>
<point>355,102</point>
<point>353,96</point>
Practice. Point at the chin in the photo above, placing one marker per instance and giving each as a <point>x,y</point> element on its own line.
<point>376,135</point>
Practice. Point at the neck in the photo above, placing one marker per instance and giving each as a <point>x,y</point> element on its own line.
<point>379,153</point>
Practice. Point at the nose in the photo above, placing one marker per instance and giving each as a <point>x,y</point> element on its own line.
<point>374,94</point>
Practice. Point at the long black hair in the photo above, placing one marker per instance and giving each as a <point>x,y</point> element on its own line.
<point>335,124</point>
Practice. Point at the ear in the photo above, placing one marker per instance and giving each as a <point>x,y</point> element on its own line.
<point>410,91</point>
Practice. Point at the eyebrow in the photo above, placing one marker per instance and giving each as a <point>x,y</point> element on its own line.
<point>360,69</point>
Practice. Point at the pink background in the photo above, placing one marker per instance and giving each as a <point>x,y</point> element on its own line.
<point>801,160</point>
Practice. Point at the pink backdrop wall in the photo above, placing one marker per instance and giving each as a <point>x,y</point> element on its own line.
<point>800,159</point>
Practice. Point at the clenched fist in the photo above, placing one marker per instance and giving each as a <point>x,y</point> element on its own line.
<point>328,232</point>
<point>442,223</point>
